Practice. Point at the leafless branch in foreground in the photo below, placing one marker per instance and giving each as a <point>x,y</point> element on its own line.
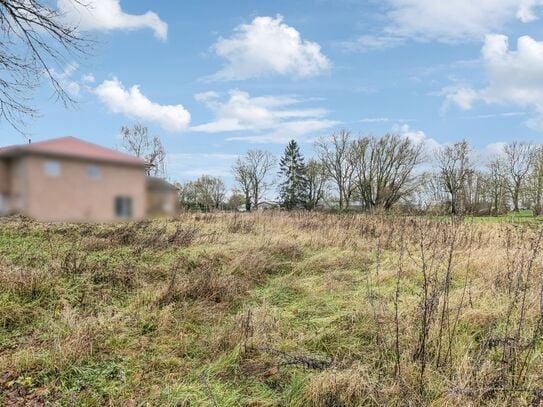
<point>34,39</point>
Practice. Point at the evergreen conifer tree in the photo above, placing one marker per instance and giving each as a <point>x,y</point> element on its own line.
<point>293,188</point>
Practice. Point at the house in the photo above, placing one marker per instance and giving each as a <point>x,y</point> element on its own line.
<point>162,197</point>
<point>242,208</point>
<point>327,204</point>
<point>333,204</point>
<point>262,206</point>
<point>267,205</point>
<point>68,179</point>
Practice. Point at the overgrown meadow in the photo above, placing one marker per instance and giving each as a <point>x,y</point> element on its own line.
<point>271,309</point>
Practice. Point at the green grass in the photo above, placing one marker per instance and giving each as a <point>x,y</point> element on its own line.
<point>230,310</point>
<point>511,217</point>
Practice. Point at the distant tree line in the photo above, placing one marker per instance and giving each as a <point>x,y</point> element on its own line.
<point>511,180</point>
<point>366,173</point>
<point>206,193</point>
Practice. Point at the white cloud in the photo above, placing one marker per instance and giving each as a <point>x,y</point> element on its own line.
<point>270,119</point>
<point>107,15</point>
<point>65,79</point>
<point>493,150</point>
<point>500,114</point>
<point>451,20</point>
<point>446,21</point>
<point>463,97</point>
<point>88,78</point>
<point>515,77</point>
<point>131,102</point>
<point>268,46</point>
<point>481,155</point>
<point>526,10</point>
<point>430,145</point>
<point>304,130</point>
<point>374,120</point>
<point>370,42</point>
<point>535,123</point>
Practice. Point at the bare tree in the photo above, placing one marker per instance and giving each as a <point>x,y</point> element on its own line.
<point>217,191</point>
<point>517,162</point>
<point>205,193</point>
<point>260,163</point>
<point>34,39</point>
<point>210,192</point>
<point>454,164</point>
<point>337,158</point>
<point>535,181</point>
<point>473,193</point>
<point>316,183</point>
<point>184,193</point>
<point>235,201</point>
<point>430,194</point>
<point>251,173</point>
<point>137,141</point>
<point>496,186</point>
<point>384,169</point>
<point>242,176</point>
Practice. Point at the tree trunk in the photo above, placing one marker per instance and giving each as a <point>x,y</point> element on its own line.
<point>496,204</point>
<point>247,202</point>
<point>257,198</point>
<point>515,201</point>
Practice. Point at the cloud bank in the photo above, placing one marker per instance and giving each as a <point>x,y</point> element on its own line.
<point>267,46</point>
<point>270,119</point>
<point>444,21</point>
<point>514,77</point>
<point>132,103</point>
<point>107,15</point>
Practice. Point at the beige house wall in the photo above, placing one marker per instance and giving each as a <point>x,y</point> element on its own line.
<point>4,176</point>
<point>12,186</point>
<point>162,203</point>
<point>74,195</point>
<point>17,183</point>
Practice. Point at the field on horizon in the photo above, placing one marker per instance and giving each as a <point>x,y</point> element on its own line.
<point>272,309</point>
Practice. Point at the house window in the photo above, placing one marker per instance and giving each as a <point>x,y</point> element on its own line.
<point>3,204</point>
<point>93,171</point>
<point>123,207</point>
<point>51,168</point>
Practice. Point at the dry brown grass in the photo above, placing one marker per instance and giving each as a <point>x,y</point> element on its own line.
<point>272,309</point>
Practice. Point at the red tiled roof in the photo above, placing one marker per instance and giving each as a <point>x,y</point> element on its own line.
<point>72,147</point>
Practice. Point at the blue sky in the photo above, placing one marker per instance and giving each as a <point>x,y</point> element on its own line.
<point>215,78</point>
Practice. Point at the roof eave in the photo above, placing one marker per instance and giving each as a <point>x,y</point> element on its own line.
<point>18,152</point>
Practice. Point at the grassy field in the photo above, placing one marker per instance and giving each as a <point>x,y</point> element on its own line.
<point>271,309</point>
<point>511,217</point>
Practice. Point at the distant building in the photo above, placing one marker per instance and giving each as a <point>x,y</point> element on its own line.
<point>333,204</point>
<point>262,206</point>
<point>162,197</point>
<point>267,205</point>
<point>68,179</point>
<point>327,204</point>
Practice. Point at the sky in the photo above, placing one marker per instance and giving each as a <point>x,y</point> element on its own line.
<point>216,78</point>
